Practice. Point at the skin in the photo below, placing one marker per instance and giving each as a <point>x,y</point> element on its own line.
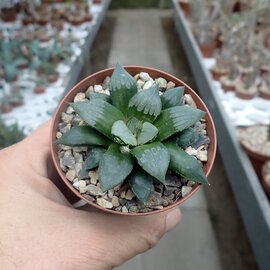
<point>39,228</point>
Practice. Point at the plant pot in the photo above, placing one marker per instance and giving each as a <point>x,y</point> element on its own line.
<point>40,89</point>
<point>8,14</point>
<point>244,93</point>
<point>264,93</point>
<point>217,74</point>
<point>6,108</point>
<point>185,6</point>
<point>88,17</point>
<point>208,49</point>
<point>97,2</point>
<point>257,159</point>
<point>52,78</point>
<point>28,20</point>
<point>98,78</point>
<point>227,84</point>
<point>266,177</point>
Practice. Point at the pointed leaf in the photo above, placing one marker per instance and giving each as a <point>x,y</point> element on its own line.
<point>114,167</point>
<point>153,158</point>
<point>122,88</point>
<point>148,132</point>
<point>184,164</point>
<point>172,97</point>
<point>94,95</point>
<point>176,119</point>
<point>122,132</point>
<point>94,157</point>
<point>134,125</point>
<point>99,114</point>
<point>83,135</point>
<point>147,103</point>
<point>140,183</point>
<point>185,138</point>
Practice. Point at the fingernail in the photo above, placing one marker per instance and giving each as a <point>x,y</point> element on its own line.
<point>172,219</point>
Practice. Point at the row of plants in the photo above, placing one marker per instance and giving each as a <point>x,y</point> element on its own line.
<point>237,35</point>
<point>55,13</point>
<point>22,54</point>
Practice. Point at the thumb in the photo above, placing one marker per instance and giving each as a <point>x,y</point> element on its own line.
<point>117,238</point>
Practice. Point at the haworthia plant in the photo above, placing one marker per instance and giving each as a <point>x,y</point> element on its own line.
<point>137,136</point>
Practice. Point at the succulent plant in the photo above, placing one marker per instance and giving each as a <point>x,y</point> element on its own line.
<point>137,135</point>
<point>9,134</point>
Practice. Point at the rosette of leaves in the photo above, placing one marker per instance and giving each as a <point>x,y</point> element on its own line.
<point>136,136</point>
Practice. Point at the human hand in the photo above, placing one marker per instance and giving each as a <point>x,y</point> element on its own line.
<point>39,228</point>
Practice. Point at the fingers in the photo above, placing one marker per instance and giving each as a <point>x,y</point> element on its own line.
<point>123,237</point>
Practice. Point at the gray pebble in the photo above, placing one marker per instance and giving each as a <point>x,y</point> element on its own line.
<point>154,199</point>
<point>69,161</point>
<point>106,83</point>
<point>66,118</point>
<point>70,175</point>
<point>70,110</point>
<point>173,181</point>
<point>186,190</point>
<point>104,203</point>
<point>162,83</point>
<point>133,209</point>
<point>80,97</point>
<point>122,201</point>
<point>76,120</point>
<point>93,190</point>
<point>124,209</point>
<point>88,197</point>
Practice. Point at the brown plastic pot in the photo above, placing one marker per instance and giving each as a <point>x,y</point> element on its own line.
<point>256,159</point>
<point>217,74</point>
<point>185,6</point>
<point>40,89</point>
<point>8,14</point>
<point>98,78</point>
<point>264,94</point>
<point>208,49</point>
<point>265,184</point>
<point>227,87</point>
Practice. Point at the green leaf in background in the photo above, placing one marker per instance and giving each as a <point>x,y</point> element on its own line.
<point>134,125</point>
<point>122,132</point>
<point>184,164</point>
<point>153,158</point>
<point>99,114</point>
<point>172,97</point>
<point>114,167</point>
<point>94,157</point>
<point>147,103</point>
<point>148,132</point>
<point>140,183</point>
<point>122,88</point>
<point>186,137</point>
<point>176,119</point>
<point>94,95</point>
<point>83,135</point>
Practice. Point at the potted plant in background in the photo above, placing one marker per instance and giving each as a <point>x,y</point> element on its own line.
<point>9,134</point>
<point>245,88</point>
<point>229,81</point>
<point>256,142</point>
<point>138,150</point>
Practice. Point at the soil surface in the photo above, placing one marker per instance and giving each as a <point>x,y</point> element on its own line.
<point>234,247</point>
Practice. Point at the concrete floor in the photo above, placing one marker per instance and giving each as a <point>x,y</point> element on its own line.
<point>138,39</point>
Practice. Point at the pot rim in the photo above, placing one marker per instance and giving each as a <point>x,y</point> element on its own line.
<point>265,185</point>
<point>133,69</point>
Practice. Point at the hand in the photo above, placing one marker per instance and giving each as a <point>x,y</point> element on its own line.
<point>39,228</point>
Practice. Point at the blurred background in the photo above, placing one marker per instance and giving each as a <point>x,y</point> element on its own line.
<point>220,48</point>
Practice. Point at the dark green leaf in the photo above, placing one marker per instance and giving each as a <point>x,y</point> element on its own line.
<point>172,97</point>
<point>134,125</point>
<point>141,184</point>
<point>83,135</point>
<point>186,137</point>
<point>99,114</point>
<point>94,157</point>
<point>153,158</point>
<point>184,164</point>
<point>122,88</point>
<point>148,132</point>
<point>147,103</point>
<point>122,132</point>
<point>94,95</point>
<point>176,119</point>
<point>114,167</point>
